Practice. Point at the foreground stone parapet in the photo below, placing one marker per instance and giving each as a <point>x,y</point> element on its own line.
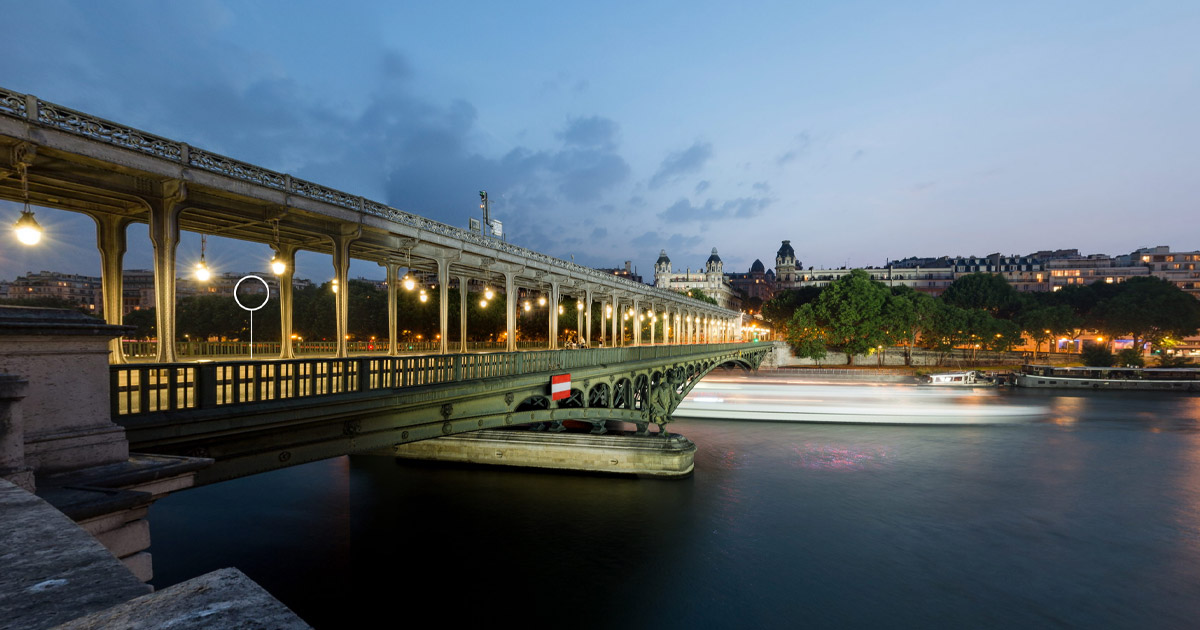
<point>221,599</point>
<point>653,456</point>
<point>51,570</point>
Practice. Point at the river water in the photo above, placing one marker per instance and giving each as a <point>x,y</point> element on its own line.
<point>1083,514</point>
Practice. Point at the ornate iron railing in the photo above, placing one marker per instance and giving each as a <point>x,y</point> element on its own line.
<point>138,389</point>
<point>32,109</point>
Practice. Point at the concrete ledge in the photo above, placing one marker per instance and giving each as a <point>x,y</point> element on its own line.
<point>221,599</point>
<point>653,456</point>
<point>52,571</point>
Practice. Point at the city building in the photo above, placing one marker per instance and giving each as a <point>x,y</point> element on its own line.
<point>628,271</point>
<point>712,280</point>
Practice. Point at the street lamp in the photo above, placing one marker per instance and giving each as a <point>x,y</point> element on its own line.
<point>27,229</point>
<point>202,272</point>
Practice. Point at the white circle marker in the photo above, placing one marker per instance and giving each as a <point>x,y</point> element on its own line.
<point>266,297</point>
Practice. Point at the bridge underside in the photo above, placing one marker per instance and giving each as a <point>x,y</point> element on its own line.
<point>255,437</point>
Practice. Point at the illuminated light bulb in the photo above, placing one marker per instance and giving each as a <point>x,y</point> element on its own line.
<point>579,306</point>
<point>423,297</point>
<point>335,285</point>
<point>528,306</point>
<point>27,229</point>
<point>541,300</point>
<point>482,303</point>
<point>487,293</point>
<point>202,272</point>
<point>560,309</point>
<point>278,267</point>
<point>408,283</point>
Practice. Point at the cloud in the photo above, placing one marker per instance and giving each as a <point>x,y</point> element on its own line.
<point>593,131</point>
<point>799,148</point>
<point>857,155</point>
<point>762,187</point>
<point>702,186</point>
<point>673,242</point>
<point>681,163</point>
<point>742,207</point>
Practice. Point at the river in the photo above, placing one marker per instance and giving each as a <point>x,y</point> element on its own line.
<point>1083,514</point>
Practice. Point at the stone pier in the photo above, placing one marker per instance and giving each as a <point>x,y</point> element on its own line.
<point>650,456</point>
<point>57,437</point>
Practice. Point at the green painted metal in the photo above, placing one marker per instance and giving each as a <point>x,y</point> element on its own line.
<point>253,416</point>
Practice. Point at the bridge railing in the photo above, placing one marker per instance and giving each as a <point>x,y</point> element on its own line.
<point>165,387</point>
<point>138,349</point>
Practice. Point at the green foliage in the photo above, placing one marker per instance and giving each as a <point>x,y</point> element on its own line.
<point>1045,322</point>
<point>779,309</point>
<point>143,321</point>
<point>698,294</point>
<point>1146,308</point>
<point>1174,361</point>
<point>1130,356</point>
<point>848,316</point>
<point>805,334</point>
<point>1096,355</point>
<point>986,291</point>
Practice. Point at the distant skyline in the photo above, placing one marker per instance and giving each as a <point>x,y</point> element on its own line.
<point>860,131</point>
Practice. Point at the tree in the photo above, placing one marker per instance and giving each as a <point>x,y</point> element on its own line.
<point>848,316</point>
<point>908,314</point>
<point>1044,322</point>
<point>699,294</point>
<point>779,309</point>
<point>986,291</point>
<point>1096,355</point>
<point>1148,309</point>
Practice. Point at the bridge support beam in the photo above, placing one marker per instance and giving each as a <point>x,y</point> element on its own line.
<point>463,285</point>
<point>341,298</point>
<point>164,236</point>
<point>636,322</point>
<point>616,320</point>
<point>393,291</point>
<point>110,239</point>
<point>510,309</point>
<point>586,321</point>
<point>443,275</point>
<point>287,255</point>
<point>552,307</point>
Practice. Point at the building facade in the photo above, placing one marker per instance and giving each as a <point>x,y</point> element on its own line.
<point>712,280</point>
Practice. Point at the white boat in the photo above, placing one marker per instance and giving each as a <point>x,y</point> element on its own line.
<point>1170,379</point>
<point>970,378</point>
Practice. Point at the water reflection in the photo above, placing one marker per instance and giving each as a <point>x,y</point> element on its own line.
<point>1086,516</point>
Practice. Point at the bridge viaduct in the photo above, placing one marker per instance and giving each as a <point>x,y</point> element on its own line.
<point>253,416</point>
<point>53,156</point>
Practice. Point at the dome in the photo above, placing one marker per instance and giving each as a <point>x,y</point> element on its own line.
<point>786,251</point>
<point>757,267</point>
<point>714,258</point>
<point>662,258</point>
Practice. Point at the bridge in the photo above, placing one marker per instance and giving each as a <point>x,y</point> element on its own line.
<point>53,156</point>
<point>252,416</point>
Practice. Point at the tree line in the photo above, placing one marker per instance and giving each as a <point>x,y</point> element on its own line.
<point>857,314</point>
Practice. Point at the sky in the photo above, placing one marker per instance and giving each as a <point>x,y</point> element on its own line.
<point>861,131</point>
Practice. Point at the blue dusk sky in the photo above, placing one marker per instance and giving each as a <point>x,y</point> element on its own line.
<point>862,131</point>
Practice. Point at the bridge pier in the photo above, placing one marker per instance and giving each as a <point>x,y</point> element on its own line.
<point>286,254</point>
<point>60,441</point>
<point>111,240</point>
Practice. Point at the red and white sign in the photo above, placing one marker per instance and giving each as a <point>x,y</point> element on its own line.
<point>560,386</point>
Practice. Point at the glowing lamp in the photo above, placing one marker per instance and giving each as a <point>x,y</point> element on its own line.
<point>27,229</point>
<point>409,283</point>
<point>202,272</point>
<point>278,267</point>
